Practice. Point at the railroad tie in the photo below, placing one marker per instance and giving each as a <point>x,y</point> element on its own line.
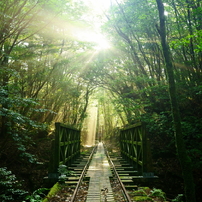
<point>99,173</point>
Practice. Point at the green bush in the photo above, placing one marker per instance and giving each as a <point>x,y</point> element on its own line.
<point>64,173</point>
<point>9,186</point>
<point>179,198</point>
<point>158,193</point>
<point>37,195</point>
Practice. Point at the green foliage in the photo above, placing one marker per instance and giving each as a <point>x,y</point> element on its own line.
<point>10,186</point>
<point>19,126</point>
<point>185,41</point>
<point>147,194</point>
<point>64,173</point>
<point>158,193</point>
<point>37,195</point>
<point>179,198</point>
<point>140,192</point>
<point>192,127</point>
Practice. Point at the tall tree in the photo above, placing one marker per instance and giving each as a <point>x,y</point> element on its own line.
<point>180,145</point>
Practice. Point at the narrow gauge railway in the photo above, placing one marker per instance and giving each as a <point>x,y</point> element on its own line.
<point>100,177</point>
<point>103,178</point>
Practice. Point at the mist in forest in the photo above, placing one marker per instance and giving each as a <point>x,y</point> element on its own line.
<point>91,123</point>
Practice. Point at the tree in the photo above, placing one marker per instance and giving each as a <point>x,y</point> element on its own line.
<point>180,145</point>
<point>39,70</point>
<point>34,62</point>
<point>132,27</point>
<point>19,21</point>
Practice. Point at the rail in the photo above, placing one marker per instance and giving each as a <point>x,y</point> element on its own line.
<point>127,197</point>
<point>83,174</point>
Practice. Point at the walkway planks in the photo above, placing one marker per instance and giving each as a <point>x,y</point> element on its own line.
<point>99,173</point>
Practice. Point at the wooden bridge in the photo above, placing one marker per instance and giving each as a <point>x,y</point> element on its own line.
<point>134,163</point>
<point>65,148</point>
<point>134,146</point>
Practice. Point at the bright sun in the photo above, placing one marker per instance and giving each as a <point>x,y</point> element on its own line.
<point>98,5</point>
<point>100,41</point>
<point>103,44</point>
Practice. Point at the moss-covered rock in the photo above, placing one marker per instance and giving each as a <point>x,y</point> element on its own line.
<point>142,198</point>
<point>53,191</point>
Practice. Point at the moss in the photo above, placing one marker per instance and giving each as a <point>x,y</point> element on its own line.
<point>144,188</point>
<point>53,191</point>
<point>147,190</point>
<point>146,194</point>
<point>142,198</point>
<point>139,192</point>
<point>142,191</point>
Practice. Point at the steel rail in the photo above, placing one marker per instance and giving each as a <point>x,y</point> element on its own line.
<point>82,174</point>
<point>117,175</point>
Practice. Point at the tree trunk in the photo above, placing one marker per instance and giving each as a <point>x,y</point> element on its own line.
<point>184,159</point>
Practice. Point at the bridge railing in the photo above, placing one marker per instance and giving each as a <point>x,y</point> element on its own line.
<point>65,148</point>
<point>135,148</point>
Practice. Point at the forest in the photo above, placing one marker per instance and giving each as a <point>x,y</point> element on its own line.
<point>150,72</point>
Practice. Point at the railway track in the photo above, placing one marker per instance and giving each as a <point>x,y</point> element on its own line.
<point>115,169</point>
<point>100,183</point>
<point>100,176</point>
<point>83,173</point>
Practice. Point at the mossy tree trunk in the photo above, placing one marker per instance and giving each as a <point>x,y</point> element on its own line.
<point>184,159</point>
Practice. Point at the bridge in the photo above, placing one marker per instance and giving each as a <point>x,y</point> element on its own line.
<point>135,160</point>
<point>134,147</point>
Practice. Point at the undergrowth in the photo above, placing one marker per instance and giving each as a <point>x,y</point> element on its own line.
<point>10,187</point>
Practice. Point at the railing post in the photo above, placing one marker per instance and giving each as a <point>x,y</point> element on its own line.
<point>144,150</point>
<point>147,157</point>
<point>55,155</point>
<point>57,146</point>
